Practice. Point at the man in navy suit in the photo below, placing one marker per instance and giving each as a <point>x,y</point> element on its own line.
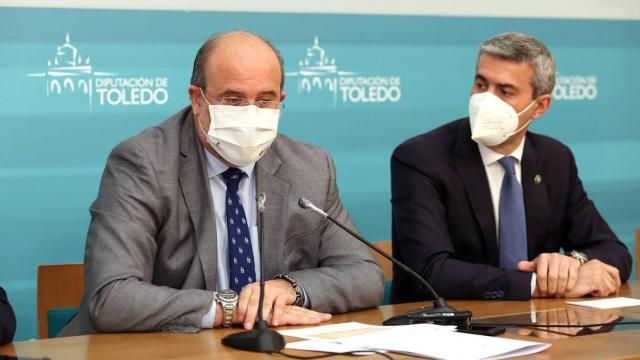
<point>482,207</point>
<point>7,319</point>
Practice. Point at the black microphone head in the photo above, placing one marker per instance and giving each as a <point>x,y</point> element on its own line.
<point>304,203</point>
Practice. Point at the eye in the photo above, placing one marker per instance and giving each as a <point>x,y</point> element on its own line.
<point>506,93</point>
<point>233,100</point>
<point>478,85</point>
<point>264,102</point>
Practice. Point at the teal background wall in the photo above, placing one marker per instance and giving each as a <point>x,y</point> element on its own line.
<point>53,147</point>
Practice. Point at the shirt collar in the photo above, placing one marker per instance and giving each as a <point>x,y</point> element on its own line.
<point>489,156</point>
<point>216,167</point>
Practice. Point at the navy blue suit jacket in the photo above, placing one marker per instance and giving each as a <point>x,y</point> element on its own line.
<point>443,222</point>
<point>7,319</point>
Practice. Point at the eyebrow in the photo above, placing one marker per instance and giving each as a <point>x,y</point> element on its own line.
<point>480,77</point>
<point>230,92</point>
<point>500,85</point>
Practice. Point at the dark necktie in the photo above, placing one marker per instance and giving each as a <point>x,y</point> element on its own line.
<point>241,262</point>
<point>513,227</point>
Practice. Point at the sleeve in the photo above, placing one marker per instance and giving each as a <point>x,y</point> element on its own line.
<point>120,254</point>
<point>347,277</point>
<point>7,319</point>
<point>421,219</point>
<point>588,232</point>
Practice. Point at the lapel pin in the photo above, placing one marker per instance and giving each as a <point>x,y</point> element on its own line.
<point>537,179</point>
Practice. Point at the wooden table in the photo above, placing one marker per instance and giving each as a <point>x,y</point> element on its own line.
<point>206,344</point>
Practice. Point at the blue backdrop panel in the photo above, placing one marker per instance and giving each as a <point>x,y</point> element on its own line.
<point>76,82</point>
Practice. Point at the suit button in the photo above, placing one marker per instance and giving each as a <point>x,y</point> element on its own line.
<point>500,294</point>
<point>487,295</point>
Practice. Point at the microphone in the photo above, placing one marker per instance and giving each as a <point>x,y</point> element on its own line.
<point>440,313</point>
<point>260,338</point>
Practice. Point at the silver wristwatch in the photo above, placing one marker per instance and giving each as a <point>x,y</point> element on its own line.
<point>580,256</point>
<point>228,300</point>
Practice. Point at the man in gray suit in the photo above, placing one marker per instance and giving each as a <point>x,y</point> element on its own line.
<point>173,229</point>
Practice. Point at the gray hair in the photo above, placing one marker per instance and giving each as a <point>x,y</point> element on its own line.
<point>200,62</point>
<point>520,47</point>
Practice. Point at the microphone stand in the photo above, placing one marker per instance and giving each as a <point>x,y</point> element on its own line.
<point>260,338</point>
<point>441,313</point>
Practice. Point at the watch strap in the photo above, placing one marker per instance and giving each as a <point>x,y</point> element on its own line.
<point>300,298</point>
<point>228,306</point>
<point>580,256</point>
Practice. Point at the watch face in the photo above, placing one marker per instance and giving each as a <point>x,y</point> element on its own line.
<point>579,256</point>
<point>228,295</point>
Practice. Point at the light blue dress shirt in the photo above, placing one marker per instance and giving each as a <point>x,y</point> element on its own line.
<point>247,192</point>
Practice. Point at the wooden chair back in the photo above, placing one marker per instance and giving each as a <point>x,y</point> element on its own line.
<point>59,286</point>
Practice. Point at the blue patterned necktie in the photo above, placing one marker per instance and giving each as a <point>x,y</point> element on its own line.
<point>241,263</point>
<point>513,227</point>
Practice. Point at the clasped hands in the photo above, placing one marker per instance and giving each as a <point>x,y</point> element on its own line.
<point>560,275</point>
<point>277,308</point>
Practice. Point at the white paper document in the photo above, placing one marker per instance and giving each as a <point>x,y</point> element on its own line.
<point>611,303</point>
<point>440,342</point>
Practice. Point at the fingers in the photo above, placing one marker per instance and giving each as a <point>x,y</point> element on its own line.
<point>563,277</point>
<point>242,310</point>
<point>552,276</point>
<point>615,275</point>
<point>573,276</point>
<point>541,273</point>
<point>556,274</point>
<point>527,266</point>
<point>606,286</point>
<point>294,315</point>
<point>253,306</point>
<point>567,275</point>
<point>277,294</point>
<point>278,311</point>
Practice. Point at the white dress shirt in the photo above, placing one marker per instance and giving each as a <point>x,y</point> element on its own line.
<point>495,174</point>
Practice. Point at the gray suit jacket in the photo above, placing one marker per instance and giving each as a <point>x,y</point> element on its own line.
<point>150,257</point>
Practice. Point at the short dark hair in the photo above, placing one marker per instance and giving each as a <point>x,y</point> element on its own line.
<point>198,75</point>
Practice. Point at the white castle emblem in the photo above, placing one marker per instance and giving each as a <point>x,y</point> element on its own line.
<point>68,71</point>
<point>317,70</point>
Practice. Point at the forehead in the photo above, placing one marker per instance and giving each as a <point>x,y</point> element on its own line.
<point>502,71</point>
<point>244,63</point>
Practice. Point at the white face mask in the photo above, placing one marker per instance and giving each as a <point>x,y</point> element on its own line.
<point>241,134</point>
<point>492,120</point>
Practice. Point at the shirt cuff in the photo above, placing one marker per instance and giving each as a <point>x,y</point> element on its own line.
<point>209,318</point>
<point>307,301</point>
<point>533,283</point>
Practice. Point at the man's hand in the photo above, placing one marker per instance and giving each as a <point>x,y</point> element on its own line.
<point>277,294</point>
<point>596,278</point>
<point>556,274</point>
<point>291,315</point>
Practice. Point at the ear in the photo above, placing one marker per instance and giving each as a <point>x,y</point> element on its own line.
<point>196,98</point>
<point>544,102</point>
<point>282,95</point>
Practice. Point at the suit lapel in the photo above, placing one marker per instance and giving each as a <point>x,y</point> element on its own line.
<point>536,201</point>
<point>197,196</point>
<point>277,192</point>
<point>472,174</point>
